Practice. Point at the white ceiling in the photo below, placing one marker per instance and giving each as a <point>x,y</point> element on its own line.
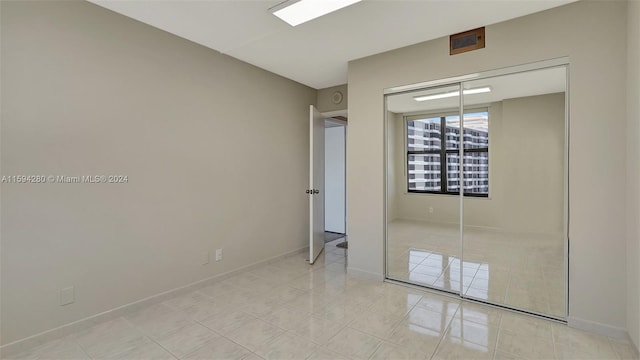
<point>531,83</point>
<point>316,53</point>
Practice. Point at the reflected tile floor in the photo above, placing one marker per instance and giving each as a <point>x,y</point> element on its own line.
<point>524,271</point>
<point>290,310</point>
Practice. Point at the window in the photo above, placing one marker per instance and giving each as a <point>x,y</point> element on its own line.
<point>433,157</point>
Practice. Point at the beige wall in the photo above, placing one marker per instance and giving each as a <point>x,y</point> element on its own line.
<point>325,102</point>
<point>210,146</point>
<point>597,105</point>
<point>633,167</point>
<point>526,151</point>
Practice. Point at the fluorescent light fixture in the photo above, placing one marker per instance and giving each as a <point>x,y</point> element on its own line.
<point>296,12</point>
<point>453,94</point>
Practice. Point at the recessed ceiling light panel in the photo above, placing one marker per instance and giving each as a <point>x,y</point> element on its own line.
<point>296,12</point>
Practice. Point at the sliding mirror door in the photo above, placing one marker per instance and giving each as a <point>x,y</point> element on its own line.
<point>514,205</point>
<point>423,201</point>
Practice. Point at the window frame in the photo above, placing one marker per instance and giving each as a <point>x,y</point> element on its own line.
<point>443,151</point>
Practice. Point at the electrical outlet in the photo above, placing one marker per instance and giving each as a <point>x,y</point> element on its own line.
<point>205,258</point>
<point>218,254</point>
<point>67,296</point>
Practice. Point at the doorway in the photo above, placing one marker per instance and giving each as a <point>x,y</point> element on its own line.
<point>327,182</point>
<point>335,179</point>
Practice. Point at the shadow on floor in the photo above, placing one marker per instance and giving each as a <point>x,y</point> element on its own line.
<point>330,236</point>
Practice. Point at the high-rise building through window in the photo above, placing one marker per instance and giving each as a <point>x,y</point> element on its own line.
<point>433,155</point>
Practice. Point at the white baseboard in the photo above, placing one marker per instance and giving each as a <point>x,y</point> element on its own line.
<point>598,328</point>
<point>364,274</point>
<point>21,345</point>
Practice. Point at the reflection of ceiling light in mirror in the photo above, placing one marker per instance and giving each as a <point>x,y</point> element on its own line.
<point>437,96</point>
<point>296,12</point>
<point>479,90</point>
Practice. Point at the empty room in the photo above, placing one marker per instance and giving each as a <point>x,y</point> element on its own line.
<point>319,179</point>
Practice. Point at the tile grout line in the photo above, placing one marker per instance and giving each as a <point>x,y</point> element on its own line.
<point>444,333</point>
<point>147,336</point>
<point>375,350</point>
<point>80,346</point>
<point>406,316</point>
<point>553,340</point>
<point>495,350</point>
<point>194,321</point>
<point>222,336</point>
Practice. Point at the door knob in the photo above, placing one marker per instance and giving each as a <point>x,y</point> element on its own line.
<point>316,191</point>
<point>308,191</point>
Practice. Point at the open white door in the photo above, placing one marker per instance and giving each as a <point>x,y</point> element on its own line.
<point>316,184</point>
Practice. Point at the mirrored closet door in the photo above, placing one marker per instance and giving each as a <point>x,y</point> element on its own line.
<point>423,244</point>
<point>514,191</point>
<point>508,134</point>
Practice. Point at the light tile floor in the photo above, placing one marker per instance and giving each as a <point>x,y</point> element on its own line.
<point>524,271</point>
<point>290,310</point>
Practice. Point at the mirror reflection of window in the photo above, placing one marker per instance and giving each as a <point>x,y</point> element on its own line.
<point>432,168</point>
